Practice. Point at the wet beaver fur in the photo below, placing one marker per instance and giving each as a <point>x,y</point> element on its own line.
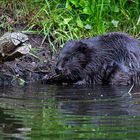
<point>112,58</point>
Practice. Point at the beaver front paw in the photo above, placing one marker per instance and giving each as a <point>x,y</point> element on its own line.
<point>81,82</point>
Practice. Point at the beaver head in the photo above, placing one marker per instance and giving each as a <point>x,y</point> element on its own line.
<point>73,59</point>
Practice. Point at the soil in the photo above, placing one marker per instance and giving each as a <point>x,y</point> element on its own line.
<point>29,68</point>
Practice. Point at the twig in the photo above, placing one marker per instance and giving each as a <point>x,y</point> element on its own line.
<point>129,92</point>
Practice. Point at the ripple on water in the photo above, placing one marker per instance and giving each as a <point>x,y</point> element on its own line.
<point>41,112</point>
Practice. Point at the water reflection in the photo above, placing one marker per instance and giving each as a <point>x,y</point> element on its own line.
<point>66,112</point>
<point>97,101</point>
<point>8,122</point>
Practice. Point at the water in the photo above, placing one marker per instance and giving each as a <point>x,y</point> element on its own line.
<point>48,112</point>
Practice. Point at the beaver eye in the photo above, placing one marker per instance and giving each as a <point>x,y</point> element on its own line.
<point>66,59</point>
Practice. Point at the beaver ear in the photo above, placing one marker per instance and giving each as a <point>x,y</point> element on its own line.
<point>82,47</point>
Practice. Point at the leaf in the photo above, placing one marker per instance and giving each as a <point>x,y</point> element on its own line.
<point>87,10</point>
<point>21,82</point>
<point>88,27</point>
<point>79,22</point>
<point>67,20</point>
<point>115,22</point>
<point>74,2</point>
<point>115,8</point>
<point>82,3</point>
<point>68,5</point>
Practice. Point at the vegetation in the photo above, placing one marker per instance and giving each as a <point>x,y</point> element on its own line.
<point>61,20</point>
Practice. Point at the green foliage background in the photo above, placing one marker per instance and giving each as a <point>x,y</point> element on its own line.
<point>61,20</point>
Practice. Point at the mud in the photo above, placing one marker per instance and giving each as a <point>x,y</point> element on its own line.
<point>29,68</point>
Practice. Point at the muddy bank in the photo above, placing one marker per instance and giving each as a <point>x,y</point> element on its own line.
<point>29,68</point>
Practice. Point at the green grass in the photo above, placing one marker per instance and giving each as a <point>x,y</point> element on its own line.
<point>61,20</point>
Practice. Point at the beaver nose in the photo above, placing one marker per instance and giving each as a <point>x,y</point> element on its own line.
<point>58,70</point>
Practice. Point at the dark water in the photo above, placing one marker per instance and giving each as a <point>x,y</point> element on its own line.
<point>48,112</point>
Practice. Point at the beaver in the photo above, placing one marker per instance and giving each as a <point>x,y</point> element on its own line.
<point>112,58</point>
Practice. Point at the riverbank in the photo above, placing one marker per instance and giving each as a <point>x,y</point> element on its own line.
<point>49,24</point>
<point>31,67</point>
